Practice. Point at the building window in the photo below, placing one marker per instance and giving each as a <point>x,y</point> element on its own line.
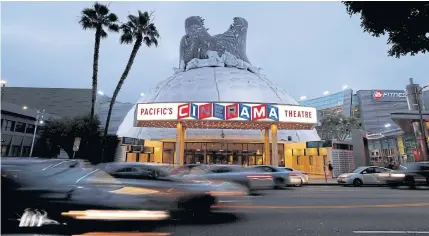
<point>20,127</point>
<point>168,153</point>
<point>30,129</point>
<point>16,150</point>
<point>10,125</point>
<point>4,150</point>
<point>26,151</point>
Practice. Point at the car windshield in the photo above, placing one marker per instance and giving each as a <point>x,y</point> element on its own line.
<point>359,169</point>
<point>84,176</point>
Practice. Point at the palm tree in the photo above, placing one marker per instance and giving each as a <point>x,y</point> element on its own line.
<point>97,18</point>
<point>139,29</point>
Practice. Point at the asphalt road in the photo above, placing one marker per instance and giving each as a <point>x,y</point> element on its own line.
<point>310,210</point>
<point>320,210</point>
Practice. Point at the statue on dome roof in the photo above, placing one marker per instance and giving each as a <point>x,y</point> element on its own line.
<point>197,42</point>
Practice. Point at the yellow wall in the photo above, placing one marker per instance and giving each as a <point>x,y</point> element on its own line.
<point>157,146</point>
<point>401,146</point>
<point>131,157</point>
<point>316,166</point>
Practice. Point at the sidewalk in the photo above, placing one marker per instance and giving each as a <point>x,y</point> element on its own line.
<point>320,180</point>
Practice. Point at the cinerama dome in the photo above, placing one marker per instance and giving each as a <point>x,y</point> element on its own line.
<point>211,78</point>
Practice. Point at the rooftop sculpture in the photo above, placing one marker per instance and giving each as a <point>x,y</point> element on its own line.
<point>200,49</point>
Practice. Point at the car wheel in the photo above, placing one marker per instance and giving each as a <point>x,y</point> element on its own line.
<point>300,184</point>
<point>357,182</point>
<point>279,183</point>
<point>410,182</point>
<point>394,186</point>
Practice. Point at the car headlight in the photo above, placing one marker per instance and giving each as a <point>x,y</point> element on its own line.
<point>344,176</point>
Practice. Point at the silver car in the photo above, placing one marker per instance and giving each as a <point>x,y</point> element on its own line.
<point>304,176</point>
<point>252,179</point>
<point>281,176</point>
<point>158,177</point>
<point>364,175</point>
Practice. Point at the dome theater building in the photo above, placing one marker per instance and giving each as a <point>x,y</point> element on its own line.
<point>216,109</point>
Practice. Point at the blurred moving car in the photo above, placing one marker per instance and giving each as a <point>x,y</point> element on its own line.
<point>35,198</point>
<point>282,177</point>
<point>303,175</point>
<point>32,198</point>
<point>159,176</point>
<point>251,178</point>
<point>411,175</point>
<point>365,175</point>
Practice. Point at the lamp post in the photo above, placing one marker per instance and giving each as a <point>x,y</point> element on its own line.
<point>39,119</point>
<point>422,122</point>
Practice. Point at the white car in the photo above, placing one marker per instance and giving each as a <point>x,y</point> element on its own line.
<point>281,176</point>
<point>365,175</point>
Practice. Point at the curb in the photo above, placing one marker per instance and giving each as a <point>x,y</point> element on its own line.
<point>323,184</point>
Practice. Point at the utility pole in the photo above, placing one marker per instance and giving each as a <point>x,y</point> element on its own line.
<point>39,119</point>
<point>422,123</point>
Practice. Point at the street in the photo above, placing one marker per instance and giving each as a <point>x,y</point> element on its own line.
<point>320,210</point>
<point>309,210</point>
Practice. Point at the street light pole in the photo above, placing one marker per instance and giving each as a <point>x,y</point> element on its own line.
<point>422,122</point>
<point>39,118</point>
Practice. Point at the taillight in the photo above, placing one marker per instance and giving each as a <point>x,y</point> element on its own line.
<point>259,177</point>
<point>293,174</point>
<point>304,173</point>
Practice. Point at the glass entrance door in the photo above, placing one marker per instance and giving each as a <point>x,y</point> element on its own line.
<point>252,160</point>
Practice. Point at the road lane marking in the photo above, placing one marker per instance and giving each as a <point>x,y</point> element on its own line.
<point>391,232</point>
<point>328,207</point>
<point>124,234</point>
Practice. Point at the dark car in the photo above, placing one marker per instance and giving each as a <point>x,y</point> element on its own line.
<point>411,175</point>
<point>34,198</point>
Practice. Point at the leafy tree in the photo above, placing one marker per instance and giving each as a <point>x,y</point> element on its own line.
<point>405,23</point>
<point>98,18</point>
<point>337,127</point>
<point>139,29</point>
<point>60,134</point>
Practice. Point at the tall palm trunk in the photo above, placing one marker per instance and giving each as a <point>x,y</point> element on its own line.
<point>95,72</point>
<point>136,48</point>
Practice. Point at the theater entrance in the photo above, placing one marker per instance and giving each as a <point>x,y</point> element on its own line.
<point>245,154</point>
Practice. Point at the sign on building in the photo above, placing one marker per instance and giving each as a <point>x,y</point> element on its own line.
<point>389,95</point>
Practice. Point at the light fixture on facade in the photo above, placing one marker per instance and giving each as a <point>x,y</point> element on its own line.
<point>387,125</point>
<point>100,92</point>
<point>25,107</point>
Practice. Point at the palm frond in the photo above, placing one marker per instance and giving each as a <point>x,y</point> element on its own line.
<point>103,33</point>
<point>87,23</point>
<point>112,17</point>
<point>127,38</point>
<point>101,9</point>
<point>143,18</point>
<point>89,12</point>
<point>113,27</point>
<point>134,20</point>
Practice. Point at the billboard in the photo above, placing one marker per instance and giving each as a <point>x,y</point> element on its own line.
<point>226,112</point>
<point>382,95</point>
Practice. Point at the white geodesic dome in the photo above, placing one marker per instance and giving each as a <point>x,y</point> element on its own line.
<point>214,84</point>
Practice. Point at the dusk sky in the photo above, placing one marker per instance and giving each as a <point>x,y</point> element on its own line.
<point>303,47</point>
